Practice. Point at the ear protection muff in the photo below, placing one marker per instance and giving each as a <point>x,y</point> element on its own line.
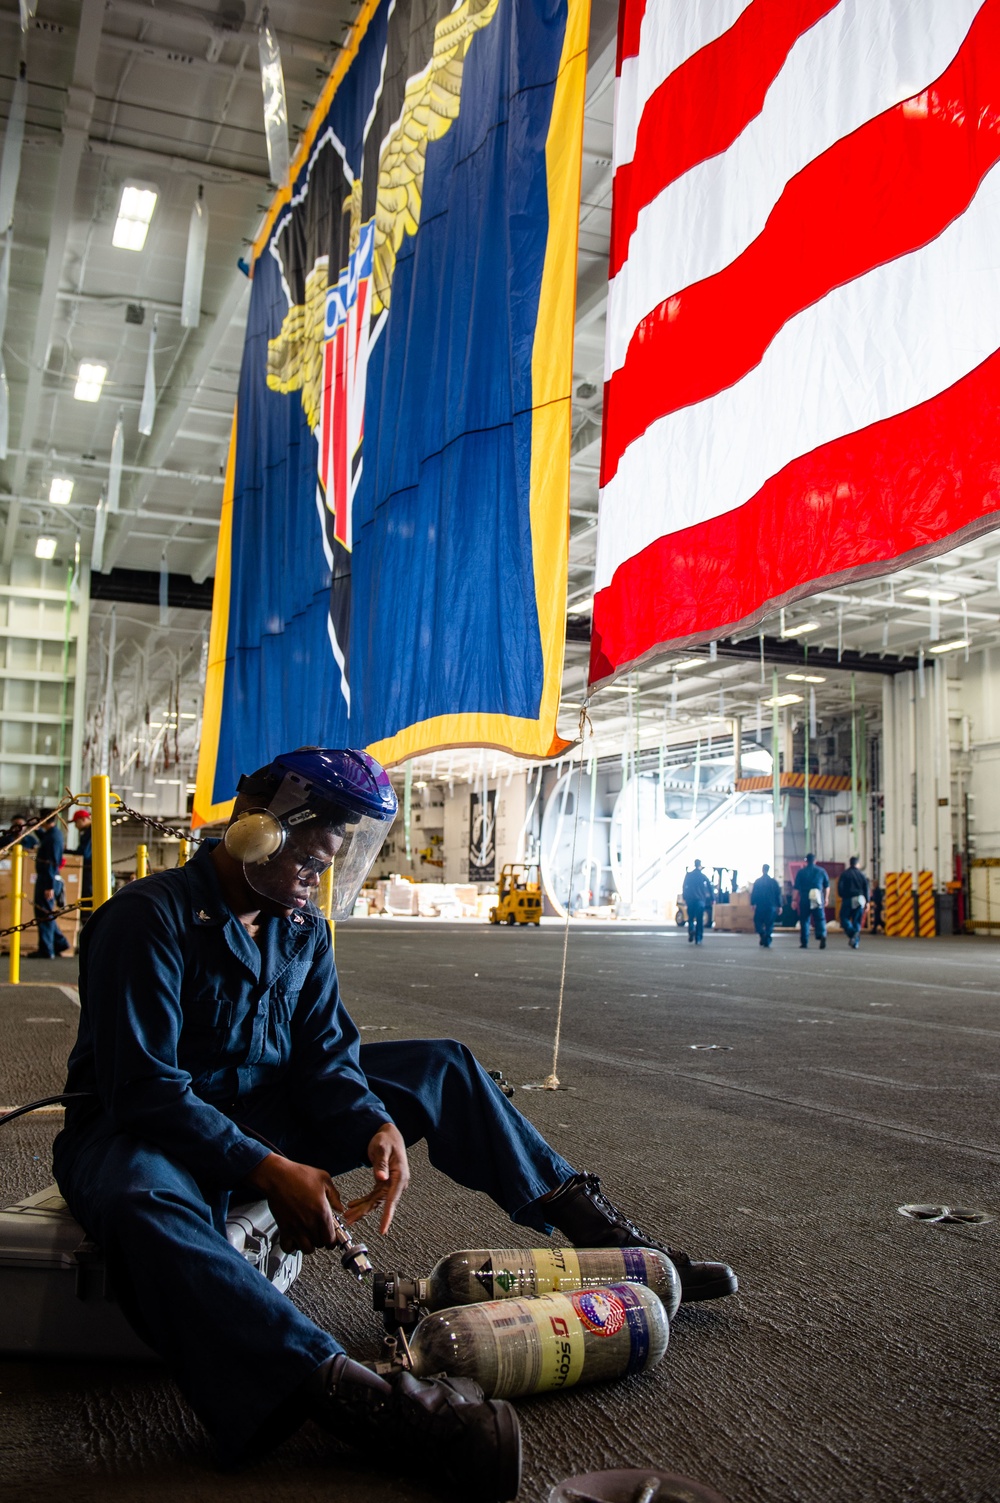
<point>256,836</point>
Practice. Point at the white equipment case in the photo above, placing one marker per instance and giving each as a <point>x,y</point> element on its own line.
<point>55,1299</point>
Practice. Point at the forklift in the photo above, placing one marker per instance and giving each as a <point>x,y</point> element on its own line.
<point>519,900</point>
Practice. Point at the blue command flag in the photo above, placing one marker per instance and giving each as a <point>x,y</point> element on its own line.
<point>393,550</point>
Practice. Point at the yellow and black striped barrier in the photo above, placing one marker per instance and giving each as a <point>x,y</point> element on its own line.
<point>899,919</point>
<point>925,905</point>
<point>891,914</point>
<point>904,899</point>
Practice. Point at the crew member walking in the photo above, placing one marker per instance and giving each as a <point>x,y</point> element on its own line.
<point>765,898</point>
<point>811,884</point>
<point>852,889</point>
<point>698,893</point>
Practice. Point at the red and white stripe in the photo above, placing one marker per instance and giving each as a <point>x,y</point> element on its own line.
<point>804,305</point>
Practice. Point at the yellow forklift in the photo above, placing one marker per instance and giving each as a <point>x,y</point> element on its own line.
<point>519,900</point>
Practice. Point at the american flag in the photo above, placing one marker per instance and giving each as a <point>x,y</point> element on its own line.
<point>802,382</point>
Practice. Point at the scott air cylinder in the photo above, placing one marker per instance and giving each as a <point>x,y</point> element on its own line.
<point>512,1348</point>
<point>477,1274</point>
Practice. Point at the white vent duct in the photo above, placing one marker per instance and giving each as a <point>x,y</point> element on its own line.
<point>272,82</point>
<point>147,412</point>
<point>194,266</point>
<point>115,468</point>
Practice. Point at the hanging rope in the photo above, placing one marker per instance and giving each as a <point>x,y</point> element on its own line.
<point>552,1080</point>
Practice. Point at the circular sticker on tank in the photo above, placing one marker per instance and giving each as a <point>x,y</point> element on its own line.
<point>600,1311</point>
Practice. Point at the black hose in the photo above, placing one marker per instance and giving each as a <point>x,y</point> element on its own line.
<point>32,1106</point>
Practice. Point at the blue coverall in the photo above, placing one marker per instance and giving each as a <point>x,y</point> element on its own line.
<point>765,898</point>
<point>193,1037</point>
<point>806,879</point>
<point>48,859</point>
<point>852,884</point>
<point>698,893</point>
<point>85,849</point>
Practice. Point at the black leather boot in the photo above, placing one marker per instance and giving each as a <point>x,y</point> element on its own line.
<point>584,1214</point>
<point>441,1428</point>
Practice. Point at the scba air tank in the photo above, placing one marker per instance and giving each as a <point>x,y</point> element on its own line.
<point>475,1275</point>
<point>512,1348</point>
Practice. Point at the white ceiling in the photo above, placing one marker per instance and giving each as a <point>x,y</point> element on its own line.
<point>169,94</point>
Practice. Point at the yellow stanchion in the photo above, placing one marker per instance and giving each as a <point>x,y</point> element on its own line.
<point>17,884</point>
<point>100,838</point>
<point>183,852</point>
<point>325,902</point>
<point>141,860</point>
<point>925,905</point>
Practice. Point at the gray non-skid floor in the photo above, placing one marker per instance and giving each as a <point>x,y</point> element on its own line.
<point>859,1362</point>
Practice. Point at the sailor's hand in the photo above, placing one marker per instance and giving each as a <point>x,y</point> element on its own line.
<point>302,1201</point>
<point>391,1168</point>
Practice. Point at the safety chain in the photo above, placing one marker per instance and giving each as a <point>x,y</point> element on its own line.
<point>121,812</point>
<point>156,824</point>
<point>48,918</point>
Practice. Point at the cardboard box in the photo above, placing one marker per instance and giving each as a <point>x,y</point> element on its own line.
<point>69,923</point>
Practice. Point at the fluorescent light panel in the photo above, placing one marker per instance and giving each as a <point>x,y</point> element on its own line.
<point>806,678</point>
<point>89,380</point>
<point>60,490</point>
<point>924,593</point>
<point>782,700</point>
<point>45,548</point>
<point>951,646</point>
<point>134,214</point>
<point>801,629</point>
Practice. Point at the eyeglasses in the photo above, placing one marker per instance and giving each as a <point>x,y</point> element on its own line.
<point>313,865</point>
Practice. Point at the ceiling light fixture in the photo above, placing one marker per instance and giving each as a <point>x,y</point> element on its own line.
<point>939,597</point>
<point>780,700</point>
<point>45,548</point>
<point>801,629</point>
<point>806,678</point>
<point>89,380</point>
<point>682,664</point>
<point>950,646</point>
<point>134,214</point>
<point>60,490</point>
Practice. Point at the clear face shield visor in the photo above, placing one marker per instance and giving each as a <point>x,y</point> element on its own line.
<point>292,875</point>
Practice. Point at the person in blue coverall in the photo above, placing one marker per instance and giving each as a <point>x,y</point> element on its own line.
<point>852,889</point>
<point>48,891</point>
<point>215,1053</point>
<point>765,899</point>
<point>697,892</point>
<point>811,884</point>
<point>84,849</point>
